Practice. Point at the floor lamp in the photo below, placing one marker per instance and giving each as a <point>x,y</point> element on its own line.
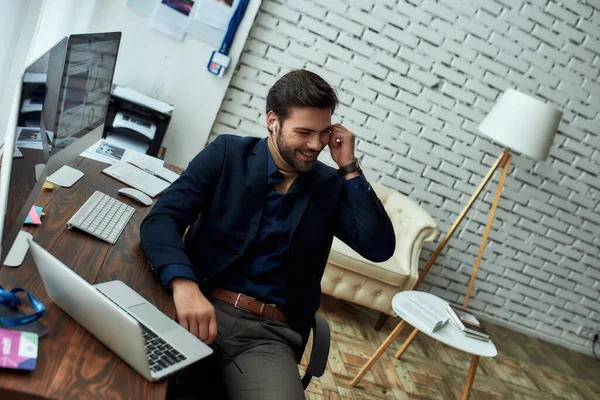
<point>518,122</point>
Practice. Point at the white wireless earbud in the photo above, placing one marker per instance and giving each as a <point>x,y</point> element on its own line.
<point>275,126</point>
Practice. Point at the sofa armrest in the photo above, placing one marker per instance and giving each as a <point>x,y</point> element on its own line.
<point>428,234</point>
<point>413,227</point>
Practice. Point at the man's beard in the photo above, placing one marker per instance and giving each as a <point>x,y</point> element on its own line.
<point>289,156</point>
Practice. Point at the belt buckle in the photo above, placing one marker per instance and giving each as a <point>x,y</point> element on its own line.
<point>262,309</point>
<point>238,300</point>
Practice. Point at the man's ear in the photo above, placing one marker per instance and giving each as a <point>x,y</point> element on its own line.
<point>272,122</point>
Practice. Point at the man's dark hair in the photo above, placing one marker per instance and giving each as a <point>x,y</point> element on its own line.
<point>300,88</point>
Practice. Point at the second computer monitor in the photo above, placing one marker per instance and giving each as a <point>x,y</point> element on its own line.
<point>62,109</point>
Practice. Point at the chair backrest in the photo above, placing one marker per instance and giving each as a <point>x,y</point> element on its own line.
<point>412,224</point>
<point>401,206</point>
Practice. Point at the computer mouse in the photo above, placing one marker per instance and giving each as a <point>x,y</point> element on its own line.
<point>136,195</point>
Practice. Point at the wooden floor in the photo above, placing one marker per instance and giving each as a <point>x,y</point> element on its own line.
<point>525,368</point>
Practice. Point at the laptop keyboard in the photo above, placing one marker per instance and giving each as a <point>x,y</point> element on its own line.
<point>160,353</point>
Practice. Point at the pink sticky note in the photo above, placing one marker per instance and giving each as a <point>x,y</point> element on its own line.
<point>35,218</point>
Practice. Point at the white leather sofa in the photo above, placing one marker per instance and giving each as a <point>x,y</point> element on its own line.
<point>351,277</point>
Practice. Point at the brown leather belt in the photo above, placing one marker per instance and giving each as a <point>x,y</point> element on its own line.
<point>249,304</point>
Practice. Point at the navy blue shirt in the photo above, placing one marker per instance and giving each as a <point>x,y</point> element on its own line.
<point>262,268</point>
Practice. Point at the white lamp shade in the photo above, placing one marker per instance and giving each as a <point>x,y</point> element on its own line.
<point>523,123</point>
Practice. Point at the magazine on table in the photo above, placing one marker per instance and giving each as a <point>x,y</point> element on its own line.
<point>467,323</point>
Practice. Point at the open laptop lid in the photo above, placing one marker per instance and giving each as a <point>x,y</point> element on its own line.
<point>96,313</point>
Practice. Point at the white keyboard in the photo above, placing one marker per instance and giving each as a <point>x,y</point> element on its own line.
<point>102,216</point>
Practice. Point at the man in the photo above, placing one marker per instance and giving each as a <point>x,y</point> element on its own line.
<point>264,213</point>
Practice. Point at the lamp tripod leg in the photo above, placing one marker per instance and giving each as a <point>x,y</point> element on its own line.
<point>500,161</point>
<point>488,227</point>
<point>406,343</point>
<point>378,353</point>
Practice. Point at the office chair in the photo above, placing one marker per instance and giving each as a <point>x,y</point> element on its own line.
<point>320,350</point>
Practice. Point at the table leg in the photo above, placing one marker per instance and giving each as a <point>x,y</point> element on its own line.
<point>378,353</point>
<point>470,377</point>
<point>406,343</point>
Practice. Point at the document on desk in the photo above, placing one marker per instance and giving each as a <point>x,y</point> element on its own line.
<point>106,151</point>
<point>137,178</point>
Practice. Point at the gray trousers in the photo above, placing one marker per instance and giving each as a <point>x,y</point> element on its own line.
<point>263,350</point>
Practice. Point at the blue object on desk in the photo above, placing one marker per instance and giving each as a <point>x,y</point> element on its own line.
<point>9,298</point>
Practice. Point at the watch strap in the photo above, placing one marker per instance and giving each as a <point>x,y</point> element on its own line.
<point>349,168</point>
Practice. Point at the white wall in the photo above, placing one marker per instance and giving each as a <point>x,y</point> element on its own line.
<point>60,18</point>
<point>17,25</point>
<point>28,28</point>
<point>415,78</point>
<point>171,71</point>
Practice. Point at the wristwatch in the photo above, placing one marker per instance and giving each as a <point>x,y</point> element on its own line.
<point>348,168</point>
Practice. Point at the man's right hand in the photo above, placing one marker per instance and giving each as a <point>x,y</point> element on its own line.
<point>194,311</point>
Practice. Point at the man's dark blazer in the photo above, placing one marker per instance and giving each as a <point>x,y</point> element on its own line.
<point>223,192</point>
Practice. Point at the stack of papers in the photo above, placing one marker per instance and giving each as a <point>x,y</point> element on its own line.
<point>111,153</point>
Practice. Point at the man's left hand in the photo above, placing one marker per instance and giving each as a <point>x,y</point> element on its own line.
<point>341,145</point>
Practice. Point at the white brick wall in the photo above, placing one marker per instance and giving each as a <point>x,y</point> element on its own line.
<point>415,79</point>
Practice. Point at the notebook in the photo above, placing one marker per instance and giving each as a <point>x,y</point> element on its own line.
<point>18,350</point>
<point>156,170</point>
<point>137,178</point>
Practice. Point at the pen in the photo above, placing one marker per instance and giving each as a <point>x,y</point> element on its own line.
<point>150,172</point>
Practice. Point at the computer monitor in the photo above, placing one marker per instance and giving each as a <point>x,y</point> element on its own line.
<point>63,101</point>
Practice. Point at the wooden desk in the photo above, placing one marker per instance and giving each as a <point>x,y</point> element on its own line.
<point>71,362</point>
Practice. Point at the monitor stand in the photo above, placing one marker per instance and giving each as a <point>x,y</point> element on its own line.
<point>18,251</point>
<point>65,176</point>
<point>39,168</point>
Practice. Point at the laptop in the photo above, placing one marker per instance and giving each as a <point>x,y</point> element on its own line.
<point>141,335</point>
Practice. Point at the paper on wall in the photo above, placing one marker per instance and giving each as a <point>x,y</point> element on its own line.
<point>143,6</point>
<point>209,34</point>
<point>171,17</point>
<point>215,13</point>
